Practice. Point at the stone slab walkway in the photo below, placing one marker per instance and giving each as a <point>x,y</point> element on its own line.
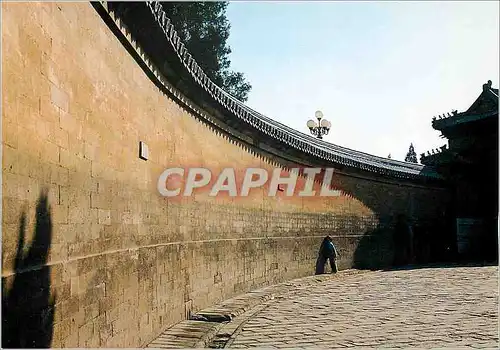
<point>435,307</point>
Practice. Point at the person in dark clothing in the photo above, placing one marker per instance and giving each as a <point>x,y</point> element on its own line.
<point>327,251</point>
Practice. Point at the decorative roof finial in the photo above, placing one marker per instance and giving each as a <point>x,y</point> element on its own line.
<point>487,85</point>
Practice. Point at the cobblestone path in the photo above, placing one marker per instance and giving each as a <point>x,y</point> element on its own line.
<point>425,308</point>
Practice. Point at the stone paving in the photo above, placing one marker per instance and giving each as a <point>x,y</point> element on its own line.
<point>425,308</point>
<point>447,307</point>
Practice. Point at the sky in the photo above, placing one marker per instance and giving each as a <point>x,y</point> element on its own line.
<point>379,71</point>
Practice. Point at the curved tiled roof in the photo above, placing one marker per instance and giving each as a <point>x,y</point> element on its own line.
<point>280,132</point>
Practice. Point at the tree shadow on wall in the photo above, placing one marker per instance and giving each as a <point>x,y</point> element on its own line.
<point>375,249</point>
<point>27,307</point>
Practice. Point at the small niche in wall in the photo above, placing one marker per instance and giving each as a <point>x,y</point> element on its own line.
<point>143,150</point>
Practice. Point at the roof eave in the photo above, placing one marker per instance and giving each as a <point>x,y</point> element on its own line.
<point>273,129</point>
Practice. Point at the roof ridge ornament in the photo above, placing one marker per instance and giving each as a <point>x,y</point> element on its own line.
<point>487,85</point>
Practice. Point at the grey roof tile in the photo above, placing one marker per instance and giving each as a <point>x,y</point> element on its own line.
<point>287,135</point>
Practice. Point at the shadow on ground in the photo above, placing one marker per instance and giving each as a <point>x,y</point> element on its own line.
<point>27,307</point>
<point>442,265</point>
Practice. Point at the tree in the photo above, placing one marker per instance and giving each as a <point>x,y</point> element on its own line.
<point>204,29</point>
<point>411,156</point>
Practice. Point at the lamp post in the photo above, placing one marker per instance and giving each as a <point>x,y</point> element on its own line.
<point>319,128</point>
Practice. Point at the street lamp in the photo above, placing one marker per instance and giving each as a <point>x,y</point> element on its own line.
<point>320,128</point>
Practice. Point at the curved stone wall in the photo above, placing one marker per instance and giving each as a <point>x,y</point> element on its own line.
<point>92,254</point>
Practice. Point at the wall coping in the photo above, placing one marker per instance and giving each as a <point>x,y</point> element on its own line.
<point>248,118</point>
